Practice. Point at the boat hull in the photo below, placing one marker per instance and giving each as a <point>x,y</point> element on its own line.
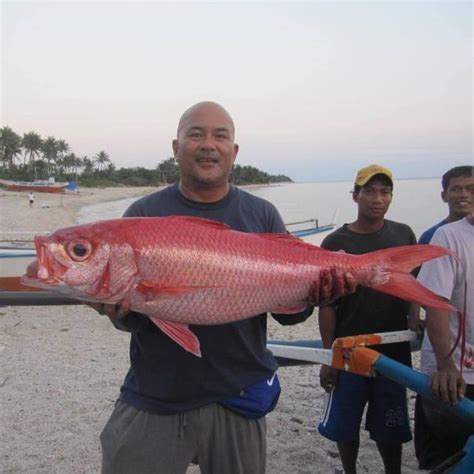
<point>36,188</point>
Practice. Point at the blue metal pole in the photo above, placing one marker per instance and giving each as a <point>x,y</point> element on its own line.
<point>420,383</point>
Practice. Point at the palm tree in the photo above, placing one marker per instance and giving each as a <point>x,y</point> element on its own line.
<point>101,160</point>
<point>10,146</point>
<point>62,146</point>
<point>31,145</point>
<point>50,152</point>
<point>168,171</point>
<point>88,166</point>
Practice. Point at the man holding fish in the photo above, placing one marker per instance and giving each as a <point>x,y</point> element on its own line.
<point>191,273</point>
<point>176,408</point>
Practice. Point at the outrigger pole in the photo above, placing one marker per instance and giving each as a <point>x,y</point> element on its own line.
<point>352,355</point>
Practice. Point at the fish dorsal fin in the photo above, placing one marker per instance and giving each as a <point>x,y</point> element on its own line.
<point>290,239</point>
<point>199,221</point>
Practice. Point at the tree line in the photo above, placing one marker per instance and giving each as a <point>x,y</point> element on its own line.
<point>30,157</point>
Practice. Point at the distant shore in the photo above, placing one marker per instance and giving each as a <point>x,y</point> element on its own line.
<point>55,210</point>
<point>51,211</point>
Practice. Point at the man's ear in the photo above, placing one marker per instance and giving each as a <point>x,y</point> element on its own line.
<point>355,196</point>
<point>175,147</point>
<point>444,196</point>
<point>236,150</point>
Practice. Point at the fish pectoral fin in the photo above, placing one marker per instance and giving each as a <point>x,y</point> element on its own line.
<point>180,333</point>
<point>290,309</point>
<point>153,289</point>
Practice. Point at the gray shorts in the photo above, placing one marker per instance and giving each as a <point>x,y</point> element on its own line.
<point>221,441</point>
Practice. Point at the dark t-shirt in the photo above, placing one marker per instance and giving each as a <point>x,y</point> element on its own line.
<point>163,377</point>
<point>367,310</point>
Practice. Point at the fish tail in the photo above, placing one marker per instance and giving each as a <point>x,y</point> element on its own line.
<point>397,262</point>
<point>408,257</point>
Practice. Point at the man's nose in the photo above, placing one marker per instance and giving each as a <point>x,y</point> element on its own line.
<point>378,197</point>
<point>208,143</point>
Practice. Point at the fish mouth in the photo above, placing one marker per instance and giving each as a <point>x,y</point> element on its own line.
<point>44,269</point>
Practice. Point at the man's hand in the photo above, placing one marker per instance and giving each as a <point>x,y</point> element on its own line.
<point>328,377</point>
<point>448,385</point>
<point>332,284</point>
<point>113,311</point>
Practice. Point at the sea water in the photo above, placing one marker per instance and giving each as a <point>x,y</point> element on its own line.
<point>416,202</point>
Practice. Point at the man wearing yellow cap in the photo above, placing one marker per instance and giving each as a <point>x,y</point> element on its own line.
<point>367,311</point>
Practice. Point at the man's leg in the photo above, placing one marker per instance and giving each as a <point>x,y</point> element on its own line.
<point>387,421</point>
<point>391,456</point>
<point>134,441</point>
<point>348,452</point>
<point>343,414</point>
<point>230,443</point>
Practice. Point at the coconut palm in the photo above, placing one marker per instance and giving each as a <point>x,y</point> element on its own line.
<point>31,146</point>
<point>87,165</point>
<point>50,152</point>
<point>10,146</point>
<point>101,160</point>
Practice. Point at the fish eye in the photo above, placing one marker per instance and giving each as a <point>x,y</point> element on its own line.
<point>79,249</point>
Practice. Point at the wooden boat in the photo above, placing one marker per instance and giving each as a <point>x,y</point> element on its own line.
<point>37,186</point>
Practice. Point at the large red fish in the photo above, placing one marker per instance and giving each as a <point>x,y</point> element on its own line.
<point>185,270</point>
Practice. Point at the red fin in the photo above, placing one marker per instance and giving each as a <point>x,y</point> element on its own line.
<point>291,310</point>
<point>408,257</point>
<point>153,290</point>
<point>180,334</point>
<point>405,286</point>
<point>199,221</point>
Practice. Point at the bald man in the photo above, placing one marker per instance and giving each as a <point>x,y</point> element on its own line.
<point>175,408</point>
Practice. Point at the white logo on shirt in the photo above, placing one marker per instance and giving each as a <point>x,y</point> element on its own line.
<point>270,381</point>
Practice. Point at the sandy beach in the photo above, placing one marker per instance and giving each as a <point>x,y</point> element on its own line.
<point>62,367</point>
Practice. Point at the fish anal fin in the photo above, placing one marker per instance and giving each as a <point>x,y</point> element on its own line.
<point>291,309</point>
<point>405,286</point>
<point>180,333</point>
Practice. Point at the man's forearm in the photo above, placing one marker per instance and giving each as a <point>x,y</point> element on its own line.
<point>437,326</point>
<point>327,325</point>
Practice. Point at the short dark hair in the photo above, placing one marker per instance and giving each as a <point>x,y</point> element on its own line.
<point>456,172</point>
<point>383,178</point>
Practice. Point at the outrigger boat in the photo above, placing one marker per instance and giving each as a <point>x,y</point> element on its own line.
<point>310,230</point>
<point>352,354</point>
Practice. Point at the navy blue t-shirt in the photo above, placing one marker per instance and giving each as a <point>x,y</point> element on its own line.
<point>163,377</point>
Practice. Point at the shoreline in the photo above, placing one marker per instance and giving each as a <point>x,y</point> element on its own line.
<point>52,211</point>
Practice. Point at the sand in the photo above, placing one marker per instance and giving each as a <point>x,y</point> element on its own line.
<point>62,366</point>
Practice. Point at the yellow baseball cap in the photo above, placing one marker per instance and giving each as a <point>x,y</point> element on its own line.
<point>365,174</point>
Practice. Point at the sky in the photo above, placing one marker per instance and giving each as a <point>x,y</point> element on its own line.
<point>316,89</point>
